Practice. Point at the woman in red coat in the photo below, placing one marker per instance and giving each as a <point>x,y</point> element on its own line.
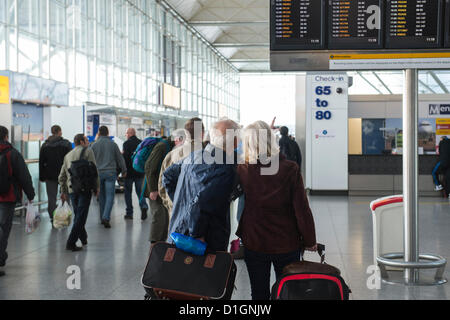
<point>277,223</point>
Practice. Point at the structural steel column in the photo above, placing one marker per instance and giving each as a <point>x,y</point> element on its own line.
<point>410,172</point>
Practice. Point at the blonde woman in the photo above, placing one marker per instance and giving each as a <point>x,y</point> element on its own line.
<point>277,223</point>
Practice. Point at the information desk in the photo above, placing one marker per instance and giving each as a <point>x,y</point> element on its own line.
<point>374,175</point>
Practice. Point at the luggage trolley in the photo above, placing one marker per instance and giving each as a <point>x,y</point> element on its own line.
<point>387,216</point>
<point>389,243</point>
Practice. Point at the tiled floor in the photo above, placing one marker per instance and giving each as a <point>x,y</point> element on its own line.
<point>112,265</point>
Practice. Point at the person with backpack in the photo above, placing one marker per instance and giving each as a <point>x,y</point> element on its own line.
<point>109,161</point>
<point>51,158</point>
<point>78,180</point>
<point>133,177</point>
<point>289,147</point>
<point>160,215</point>
<point>14,177</point>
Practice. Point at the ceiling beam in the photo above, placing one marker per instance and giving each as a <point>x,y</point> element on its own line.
<point>226,23</point>
<point>249,60</point>
<point>370,83</point>
<point>427,86</point>
<point>438,81</point>
<point>382,82</point>
<point>241,45</point>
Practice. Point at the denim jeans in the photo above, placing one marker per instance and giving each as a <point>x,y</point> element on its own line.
<point>80,204</point>
<point>6,220</point>
<point>107,193</point>
<point>259,269</point>
<point>436,175</point>
<point>129,192</point>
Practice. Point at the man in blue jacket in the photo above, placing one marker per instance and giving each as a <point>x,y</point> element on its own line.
<point>201,187</point>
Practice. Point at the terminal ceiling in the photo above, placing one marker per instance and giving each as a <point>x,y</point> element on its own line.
<point>239,30</point>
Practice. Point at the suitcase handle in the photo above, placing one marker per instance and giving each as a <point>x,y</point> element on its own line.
<point>320,251</point>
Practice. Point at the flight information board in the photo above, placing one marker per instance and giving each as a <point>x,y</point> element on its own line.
<point>447,24</point>
<point>414,24</point>
<point>297,24</point>
<point>355,24</point>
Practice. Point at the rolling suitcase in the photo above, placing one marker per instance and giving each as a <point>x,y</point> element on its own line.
<point>305,280</point>
<point>172,274</point>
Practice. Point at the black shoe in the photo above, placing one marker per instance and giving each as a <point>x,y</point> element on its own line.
<point>144,214</point>
<point>106,224</point>
<point>128,217</point>
<point>84,243</point>
<point>2,274</point>
<point>73,248</point>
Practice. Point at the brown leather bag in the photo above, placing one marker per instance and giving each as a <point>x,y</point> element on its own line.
<point>312,267</point>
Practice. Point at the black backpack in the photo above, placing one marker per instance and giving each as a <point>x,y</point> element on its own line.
<point>5,178</point>
<point>83,175</point>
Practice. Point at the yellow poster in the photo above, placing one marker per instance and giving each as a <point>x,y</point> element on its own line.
<point>4,90</point>
<point>442,127</point>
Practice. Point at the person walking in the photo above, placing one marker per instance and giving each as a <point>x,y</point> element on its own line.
<point>133,177</point>
<point>194,132</point>
<point>201,189</point>
<point>289,147</point>
<point>109,161</point>
<point>277,223</point>
<point>80,199</point>
<point>160,215</point>
<point>14,178</point>
<point>444,158</point>
<point>51,159</point>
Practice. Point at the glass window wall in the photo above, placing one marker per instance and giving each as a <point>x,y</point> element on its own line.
<point>116,52</point>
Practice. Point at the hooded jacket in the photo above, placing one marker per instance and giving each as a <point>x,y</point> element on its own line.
<point>201,195</point>
<point>176,155</point>
<point>51,157</point>
<point>21,178</point>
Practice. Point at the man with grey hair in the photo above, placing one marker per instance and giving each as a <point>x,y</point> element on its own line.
<point>201,187</point>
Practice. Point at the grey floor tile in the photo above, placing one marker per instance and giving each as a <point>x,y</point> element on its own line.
<point>112,264</point>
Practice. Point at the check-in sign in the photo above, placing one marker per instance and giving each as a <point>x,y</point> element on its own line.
<point>4,90</point>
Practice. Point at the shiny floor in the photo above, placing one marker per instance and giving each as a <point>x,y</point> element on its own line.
<point>112,264</point>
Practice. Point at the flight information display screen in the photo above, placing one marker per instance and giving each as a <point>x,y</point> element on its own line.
<point>297,24</point>
<point>414,24</point>
<point>355,24</point>
<point>447,24</point>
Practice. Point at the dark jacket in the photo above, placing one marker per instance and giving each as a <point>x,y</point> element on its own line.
<point>444,153</point>
<point>129,147</point>
<point>51,158</point>
<point>153,166</point>
<point>201,195</point>
<point>21,178</point>
<point>290,149</point>
<point>276,218</point>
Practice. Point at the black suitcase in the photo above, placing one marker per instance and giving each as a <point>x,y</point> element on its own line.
<point>172,274</point>
<point>305,280</point>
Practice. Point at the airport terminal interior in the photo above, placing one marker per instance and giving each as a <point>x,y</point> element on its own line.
<point>363,88</point>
